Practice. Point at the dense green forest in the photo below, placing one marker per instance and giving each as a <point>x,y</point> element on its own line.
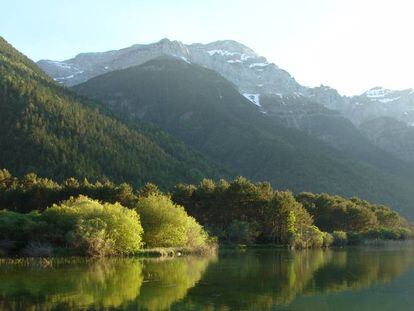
<point>49,129</point>
<point>247,212</point>
<point>41,217</point>
<point>207,112</point>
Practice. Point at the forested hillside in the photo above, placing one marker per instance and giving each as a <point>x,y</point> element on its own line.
<point>48,129</point>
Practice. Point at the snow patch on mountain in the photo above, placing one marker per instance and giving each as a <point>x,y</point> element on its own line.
<point>186,60</point>
<point>386,100</point>
<point>377,92</point>
<point>254,98</point>
<point>234,61</point>
<point>258,65</point>
<point>221,52</point>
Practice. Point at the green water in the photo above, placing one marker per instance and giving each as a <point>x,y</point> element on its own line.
<point>353,279</point>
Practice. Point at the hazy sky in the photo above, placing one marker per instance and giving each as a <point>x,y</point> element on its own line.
<point>351,45</point>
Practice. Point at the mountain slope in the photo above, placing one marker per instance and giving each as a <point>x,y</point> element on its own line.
<point>207,112</point>
<point>390,134</point>
<point>258,80</point>
<point>48,129</point>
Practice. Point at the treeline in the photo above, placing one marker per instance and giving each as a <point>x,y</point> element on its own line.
<point>247,212</point>
<point>39,217</point>
<point>240,212</point>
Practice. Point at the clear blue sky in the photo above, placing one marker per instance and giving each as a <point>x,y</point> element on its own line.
<point>351,45</point>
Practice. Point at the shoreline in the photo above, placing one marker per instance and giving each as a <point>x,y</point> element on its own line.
<point>176,252</point>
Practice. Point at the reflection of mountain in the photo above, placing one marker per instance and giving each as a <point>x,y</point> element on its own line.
<point>101,284</point>
<point>259,281</point>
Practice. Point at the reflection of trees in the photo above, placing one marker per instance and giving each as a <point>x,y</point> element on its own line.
<point>102,284</point>
<point>355,269</point>
<point>255,280</point>
<point>168,281</point>
<point>258,281</point>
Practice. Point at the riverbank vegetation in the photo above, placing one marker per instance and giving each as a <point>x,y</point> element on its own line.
<point>39,217</point>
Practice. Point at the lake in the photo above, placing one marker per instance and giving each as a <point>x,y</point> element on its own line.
<point>266,279</point>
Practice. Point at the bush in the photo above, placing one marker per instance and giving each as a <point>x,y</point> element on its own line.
<point>340,238</point>
<point>242,232</point>
<point>311,236</point>
<point>355,238</point>
<point>328,239</point>
<point>93,228</point>
<point>389,233</point>
<point>16,229</point>
<point>36,249</point>
<point>167,224</point>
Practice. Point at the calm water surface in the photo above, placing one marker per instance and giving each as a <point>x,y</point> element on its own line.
<point>353,279</point>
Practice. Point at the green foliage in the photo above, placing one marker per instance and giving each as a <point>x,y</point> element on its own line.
<point>81,224</point>
<point>351,215</point>
<point>239,211</point>
<point>167,224</point>
<point>16,229</point>
<point>310,236</point>
<point>279,217</point>
<point>328,239</point>
<point>50,130</point>
<point>388,233</point>
<point>94,228</point>
<point>242,232</point>
<point>340,238</point>
<point>246,211</point>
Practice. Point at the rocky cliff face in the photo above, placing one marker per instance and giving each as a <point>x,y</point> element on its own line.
<point>374,103</point>
<point>88,65</point>
<point>251,73</point>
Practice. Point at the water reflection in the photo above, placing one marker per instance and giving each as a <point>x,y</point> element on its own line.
<point>109,283</point>
<point>251,280</point>
<point>260,280</point>
<point>167,281</point>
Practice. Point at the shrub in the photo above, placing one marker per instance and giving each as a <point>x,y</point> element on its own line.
<point>355,238</point>
<point>93,228</point>
<point>340,238</point>
<point>167,224</point>
<point>328,239</point>
<point>16,229</point>
<point>310,236</point>
<point>36,249</point>
<point>388,233</point>
<point>242,232</point>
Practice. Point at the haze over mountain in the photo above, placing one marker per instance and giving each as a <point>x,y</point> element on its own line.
<point>272,89</point>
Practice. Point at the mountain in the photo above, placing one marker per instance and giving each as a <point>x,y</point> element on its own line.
<point>392,135</point>
<point>201,108</point>
<point>50,130</point>
<point>272,89</point>
<point>254,76</point>
<point>234,61</point>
